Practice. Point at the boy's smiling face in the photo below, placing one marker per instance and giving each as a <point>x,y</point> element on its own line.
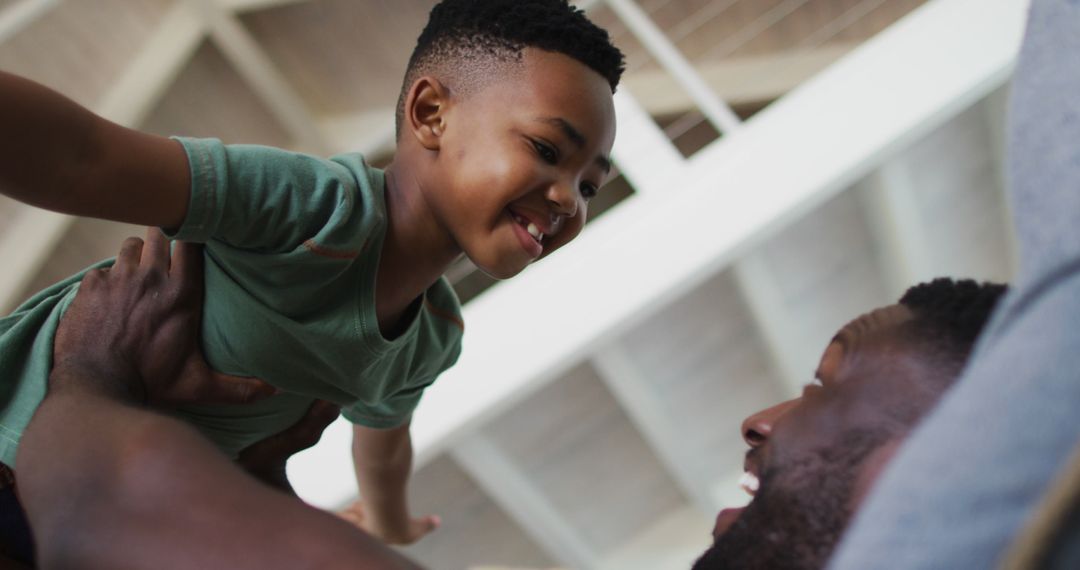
<point>518,159</point>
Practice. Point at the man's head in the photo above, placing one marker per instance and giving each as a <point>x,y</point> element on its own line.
<point>506,119</point>
<point>812,459</point>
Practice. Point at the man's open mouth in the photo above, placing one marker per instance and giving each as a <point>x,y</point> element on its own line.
<point>749,483</point>
<point>727,517</point>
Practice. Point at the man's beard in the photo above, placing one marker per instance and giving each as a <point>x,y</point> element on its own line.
<point>799,514</point>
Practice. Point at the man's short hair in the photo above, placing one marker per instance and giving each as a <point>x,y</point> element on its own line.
<point>465,36</point>
<point>949,315</point>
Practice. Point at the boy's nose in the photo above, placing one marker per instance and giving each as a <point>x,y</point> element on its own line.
<point>562,199</point>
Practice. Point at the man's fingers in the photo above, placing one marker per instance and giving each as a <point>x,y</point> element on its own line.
<point>320,415</point>
<point>308,431</point>
<point>130,252</point>
<point>276,449</point>
<point>155,252</point>
<point>228,389</point>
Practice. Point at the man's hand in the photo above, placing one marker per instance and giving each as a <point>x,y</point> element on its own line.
<point>137,326</point>
<point>266,459</point>
<point>412,531</point>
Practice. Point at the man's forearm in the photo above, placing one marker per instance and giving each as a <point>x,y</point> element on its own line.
<point>93,470</point>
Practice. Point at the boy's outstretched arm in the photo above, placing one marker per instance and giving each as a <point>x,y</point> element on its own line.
<point>383,459</point>
<point>56,154</point>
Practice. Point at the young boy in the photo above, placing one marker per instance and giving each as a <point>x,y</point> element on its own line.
<point>323,277</point>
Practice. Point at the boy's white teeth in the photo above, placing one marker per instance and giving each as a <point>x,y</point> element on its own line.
<point>534,231</point>
<point>749,483</point>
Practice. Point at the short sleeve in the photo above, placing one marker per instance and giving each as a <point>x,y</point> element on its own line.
<point>268,200</point>
<point>390,413</point>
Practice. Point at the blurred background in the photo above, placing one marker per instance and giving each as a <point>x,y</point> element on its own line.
<point>781,167</point>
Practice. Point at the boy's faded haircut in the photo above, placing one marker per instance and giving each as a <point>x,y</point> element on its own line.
<point>467,37</point>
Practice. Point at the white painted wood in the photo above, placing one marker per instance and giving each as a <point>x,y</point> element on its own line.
<point>259,71</point>
<point>154,68</point>
<point>957,184</point>
<point>512,489</point>
<point>888,194</point>
<point>674,541</point>
<point>370,133</point>
<point>765,302</point>
<point>581,451</point>
<point>475,532</point>
<point>705,366</point>
<point>18,16</point>
<point>881,97</point>
<point>643,153</point>
<point>995,112</point>
<point>825,271</point>
<point>719,113</point>
<point>249,5</point>
<point>658,428</point>
<point>24,250</point>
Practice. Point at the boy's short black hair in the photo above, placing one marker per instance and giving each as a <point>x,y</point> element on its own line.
<point>950,315</point>
<point>465,33</point>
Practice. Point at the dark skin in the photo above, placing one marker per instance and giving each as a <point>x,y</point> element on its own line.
<point>472,169</point>
<point>817,456</point>
<point>533,142</point>
<point>147,482</point>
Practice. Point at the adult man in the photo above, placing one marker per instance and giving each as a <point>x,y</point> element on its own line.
<point>117,486</point>
<point>812,458</point>
<point>969,478</point>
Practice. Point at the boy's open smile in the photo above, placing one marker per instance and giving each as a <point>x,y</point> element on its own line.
<point>513,161</point>
<point>531,233</point>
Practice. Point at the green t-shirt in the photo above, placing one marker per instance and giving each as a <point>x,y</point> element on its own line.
<point>292,248</point>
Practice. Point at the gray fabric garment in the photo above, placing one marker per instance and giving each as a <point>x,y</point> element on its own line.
<point>964,483</point>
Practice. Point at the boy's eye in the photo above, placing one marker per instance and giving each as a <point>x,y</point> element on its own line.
<point>588,191</point>
<point>546,152</point>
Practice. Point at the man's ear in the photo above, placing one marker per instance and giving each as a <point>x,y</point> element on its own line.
<point>425,111</point>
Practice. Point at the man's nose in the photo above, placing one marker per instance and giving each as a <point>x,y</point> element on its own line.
<point>757,428</point>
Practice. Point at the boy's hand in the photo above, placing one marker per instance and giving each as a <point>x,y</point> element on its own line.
<point>411,531</point>
<point>266,459</point>
<point>138,324</point>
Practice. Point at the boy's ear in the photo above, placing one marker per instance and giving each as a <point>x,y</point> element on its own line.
<point>425,111</point>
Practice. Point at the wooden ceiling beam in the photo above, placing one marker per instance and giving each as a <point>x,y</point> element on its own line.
<point>238,6</point>
<point>741,81</point>
<point>257,68</point>
<point>20,15</point>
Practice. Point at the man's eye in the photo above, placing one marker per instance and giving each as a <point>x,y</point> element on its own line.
<point>546,152</point>
<point>588,191</point>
